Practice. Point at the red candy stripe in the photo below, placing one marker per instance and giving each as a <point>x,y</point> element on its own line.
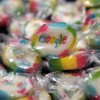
<point>82,60</point>
<point>42,29</point>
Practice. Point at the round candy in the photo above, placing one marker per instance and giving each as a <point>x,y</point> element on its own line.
<point>20,59</point>
<point>54,39</point>
<point>93,84</point>
<point>90,20</point>
<point>14,86</point>
<point>72,62</point>
<point>31,27</point>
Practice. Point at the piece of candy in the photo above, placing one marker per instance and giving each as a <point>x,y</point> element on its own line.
<point>80,46</point>
<point>71,62</point>
<point>93,84</point>
<point>93,39</point>
<point>14,86</point>
<point>20,59</point>
<point>2,71</point>
<point>90,20</point>
<point>31,27</point>
<point>65,87</point>
<point>54,39</point>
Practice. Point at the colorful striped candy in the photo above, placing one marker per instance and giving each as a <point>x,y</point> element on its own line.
<point>76,61</point>
<point>54,39</point>
<point>93,84</point>
<point>20,59</point>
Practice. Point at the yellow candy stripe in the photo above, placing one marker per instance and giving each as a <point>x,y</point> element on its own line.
<point>72,44</point>
<point>35,38</point>
<point>38,59</point>
<point>69,63</point>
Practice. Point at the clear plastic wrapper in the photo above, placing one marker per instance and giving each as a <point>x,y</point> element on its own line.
<point>20,58</point>
<point>14,86</point>
<point>93,84</point>
<point>65,86</point>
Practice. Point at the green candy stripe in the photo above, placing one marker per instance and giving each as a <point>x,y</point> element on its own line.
<point>71,30</point>
<point>12,65</point>
<point>55,64</point>
<point>95,75</point>
<point>98,14</point>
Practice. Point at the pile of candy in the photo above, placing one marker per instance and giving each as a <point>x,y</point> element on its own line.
<point>49,51</point>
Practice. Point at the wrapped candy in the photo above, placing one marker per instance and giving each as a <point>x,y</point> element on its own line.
<point>14,86</point>
<point>93,82</point>
<point>72,62</point>
<point>54,39</point>
<point>65,86</point>
<point>20,59</point>
<point>76,61</point>
<point>80,46</point>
